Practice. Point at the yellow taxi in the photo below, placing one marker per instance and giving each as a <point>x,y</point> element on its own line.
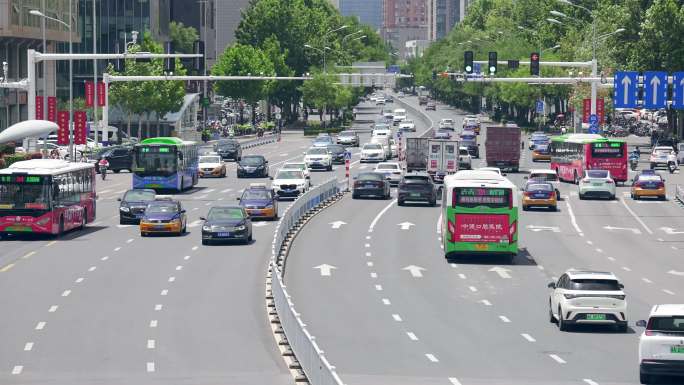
<point>539,194</point>
<point>541,152</point>
<point>648,184</point>
<point>163,216</point>
<point>259,202</point>
<point>211,166</point>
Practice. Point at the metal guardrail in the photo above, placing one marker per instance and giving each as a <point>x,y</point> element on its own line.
<point>309,355</point>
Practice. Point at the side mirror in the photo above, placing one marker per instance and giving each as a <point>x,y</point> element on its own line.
<point>621,286</point>
<point>203,218</point>
<point>118,199</point>
<point>308,177</point>
<point>238,198</point>
<point>504,174</point>
<point>641,323</point>
<point>182,211</point>
<point>270,177</point>
<point>551,285</point>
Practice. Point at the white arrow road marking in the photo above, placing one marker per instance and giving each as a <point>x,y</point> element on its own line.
<point>260,224</point>
<point>502,271</point>
<point>671,231</point>
<point>325,269</point>
<point>674,272</point>
<point>405,225</point>
<point>655,82</point>
<point>626,81</point>
<point>635,231</point>
<point>337,224</point>
<point>415,270</point>
<point>195,223</point>
<point>537,229</point>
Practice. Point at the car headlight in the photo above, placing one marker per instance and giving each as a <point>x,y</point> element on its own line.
<point>177,220</point>
<point>125,209</point>
<point>206,228</point>
<point>269,205</point>
<point>240,228</point>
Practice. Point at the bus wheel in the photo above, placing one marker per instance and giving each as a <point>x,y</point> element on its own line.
<point>182,185</point>
<point>84,220</point>
<point>61,226</point>
<point>576,179</point>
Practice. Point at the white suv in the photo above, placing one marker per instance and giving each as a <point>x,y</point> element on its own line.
<point>661,346</point>
<point>588,297</point>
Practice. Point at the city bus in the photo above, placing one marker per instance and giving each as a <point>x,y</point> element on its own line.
<point>165,164</point>
<point>571,154</point>
<point>47,196</point>
<point>479,214</point>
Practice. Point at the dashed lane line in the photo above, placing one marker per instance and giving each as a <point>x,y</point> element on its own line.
<point>528,337</point>
<point>472,288</point>
<point>53,308</point>
<point>158,307</point>
<point>590,381</point>
<point>150,367</point>
<point>28,255</point>
<point>557,359</point>
<point>79,279</point>
<point>485,302</point>
<point>374,275</point>
<point>164,292</point>
<point>378,287</point>
<point>6,267</point>
<point>151,344</point>
<point>17,369</point>
<point>396,317</point>
<point>41,325</point>
<point>668,292</point>
<point>504,319</point>
<point>646,280</point>
<point>454,381</point>
<point>28,347</point>
<point>636,217</point>
<point>154,323</point>
<point>431,357</point>
<point>386,302</point>
<point>412,336</point>
<point>66,293</point>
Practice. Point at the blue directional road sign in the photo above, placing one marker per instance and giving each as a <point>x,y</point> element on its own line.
<point>655,89</point>
<point>540,106</point>
<point>477,68</point>
<point>678,90</point>
<point>593,124</point>
<point>626,89</point>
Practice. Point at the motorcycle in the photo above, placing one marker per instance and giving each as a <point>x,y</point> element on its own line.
<point>633,164</point>
<point>103,172</point>
<point>671,166</point>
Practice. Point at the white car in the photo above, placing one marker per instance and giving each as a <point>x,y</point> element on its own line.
<point>661,345</point>
<point>373,152</point>
<point>662,155</point>
<point>398,116</point>
<point>394,148</point>
<point>318,157</point>
<point>407,125</point>
<point>380,101</point>
<point>465,161</point>
<point>61,150</point>
<point>381,133</point>
<point>546,175</point>
<point>211,165</point>
<point>392,171</point>
<point>290,183</point>
<point>446,124</point>
<point>588,297</point>
<point>301,166</point>
<point>596,183</point>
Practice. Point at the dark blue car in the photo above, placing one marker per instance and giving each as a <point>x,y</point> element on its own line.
<point>226,223</point>
<point>133,204</point>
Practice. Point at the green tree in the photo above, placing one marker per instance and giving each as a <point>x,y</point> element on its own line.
<point>182,37</point>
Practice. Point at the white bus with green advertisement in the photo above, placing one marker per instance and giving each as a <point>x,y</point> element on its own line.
<point>479,214</point>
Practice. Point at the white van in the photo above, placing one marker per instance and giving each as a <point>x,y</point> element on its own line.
<point>398,116</point>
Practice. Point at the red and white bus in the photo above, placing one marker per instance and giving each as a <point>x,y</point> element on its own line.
<point>46,196</point>
<point>571,154</point>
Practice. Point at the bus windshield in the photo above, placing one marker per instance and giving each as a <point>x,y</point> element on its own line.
<point>24,196</point>
<point>156,161</point>
<point>476,196</point>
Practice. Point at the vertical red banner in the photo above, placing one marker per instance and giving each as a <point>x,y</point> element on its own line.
<point>52,108</point>
<point>89,93</point>
<point>39,107</point>
<point>63,131</point>
<point>100,94</point>
<point>586,110</point>
<point>80,134</point>
<point>600,110</point>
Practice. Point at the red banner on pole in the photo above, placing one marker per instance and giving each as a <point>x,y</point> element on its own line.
<point>80,134</point>
<point>63,131</point>
<point>600,110</point>
<point>39,107</point>
<point>586,110</point>
<point>52,108</point>
<point>89,93</point>
<point>100,94</point>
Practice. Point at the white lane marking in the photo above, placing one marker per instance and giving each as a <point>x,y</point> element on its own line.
<point>661,240</point>
<point>380,214</point>
<point>210,190</point>
<point>636,217</point>
<point>129,240</point>
<point>103,191</point>
<point>431,357</point>
<point>117,249</point>
<point>195,223</point>
<point>92,268</point>
<point>120,192</point>
<point>668,292</point>
<point>599,250</point>
<point>154,323</point>
<point>201,197</point>
<point>194,248</point>
<point>368,254</point>
<point>151,344</point>
<point>486,303</point>
<point>439,224</point>
<point>79,280</point>
<point>528,337</point>
<point>673,247</point>
<point>164,292</point>
<point>573,219</point>
<point>124,226</point>
<point>472,288</point>
<point>378,287</point>
<point>454,381</point>
<point>611,259</point>
<point>41,325</point>
<point>453,265</point>
<point>461,275</point>
<point>171,279</point>
<point>374,275</point>
<point>195,208</point>
<point>590,243</point>
<point>158,307</point>
<point>51,243</point>
<point>179,267</point>
<point>412,336</point>
<point>590,382</point>
<point>368,237</point>
<point>227,190</point>
<point>53,308</point>
<point>504,319</point>
<point>186,257</point>
<point>625,268</point>
<point>386,301</point>
<point>284,154</point>
<point>66,293</point>
<point>396,317</point>
<point>104,258</point>
<point>17,369</point>
<point>369,264</point>
<point>557,359</point>
<point>28,255</point>
<point>207,204</point>
<point>366,245</point>
<point>646,280</point>
<point>220,199</point>
<point>150,367</point>
<point>28,347</point>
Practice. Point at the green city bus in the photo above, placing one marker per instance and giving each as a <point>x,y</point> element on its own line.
<point>166,163</point>
<point>479,214</point>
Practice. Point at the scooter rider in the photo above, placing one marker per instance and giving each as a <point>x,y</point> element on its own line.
<point>103,166</point>
<point>634,158</point>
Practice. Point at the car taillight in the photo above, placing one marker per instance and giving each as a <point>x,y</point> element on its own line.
<point>585,181</point>
<point>610,181</point>
<point>660,185</point>
<point>357,184</point>
<point>571,296</point>
<point>527,193</point>
<point>620,297</point>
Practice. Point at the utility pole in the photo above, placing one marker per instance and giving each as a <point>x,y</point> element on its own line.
<point>95,102</point>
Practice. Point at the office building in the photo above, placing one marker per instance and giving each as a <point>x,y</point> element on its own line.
<point>200,15</point>
<point>443,15</point>
<point>228,15</point>
<point>366,11</point>
<point>404,20</point>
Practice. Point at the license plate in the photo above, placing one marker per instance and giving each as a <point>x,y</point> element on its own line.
<point>541,196</point>
<point>481,246</point>
<point>160,227</point>
<point>18,228</point>
<point>255,212</point>
<point>138,216</point>
<point>596,317</point>
<point>223,235</point>
<point>597,184</point>
<point>677,349</point>
<point>416,195</point>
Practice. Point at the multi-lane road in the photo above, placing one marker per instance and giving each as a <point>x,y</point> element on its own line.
<point>388,308</point>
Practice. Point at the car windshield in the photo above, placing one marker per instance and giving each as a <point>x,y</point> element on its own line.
<point>373,146</point>
<point>387,167</point>
<point>252,160</point>
<point>463,151</point>
<point>256,194</point>
<point>594,284</point>
<point>294,166</point>
<point>346,133</point>
<point>539,186</point>
<point>139,196</point>
<point>210,159</point>
<point>317,151</point>
<point>336,149</point>
<point>447,121</point>
<point>223,213</point>
<point>226,144</point>
<point>159,208</point>
<point>544,176</point>
<point>323,139</point>
<point>369,176</point>
<point>283,174</point>
<point>667,324</point>
<point>407,122</point>
<point>416,180</point>
<point>649,178</point>
<point>600,174</point>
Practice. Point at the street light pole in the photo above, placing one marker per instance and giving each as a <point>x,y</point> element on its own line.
<point>96,101</point>
<point>45,93</point>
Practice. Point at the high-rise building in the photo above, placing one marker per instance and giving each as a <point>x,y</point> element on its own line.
<point>200,15</point>
<point>21,31</point>
<point>228,15</point>
<point>404,20</point>
<point>443,15</point>
<point>366,11</point>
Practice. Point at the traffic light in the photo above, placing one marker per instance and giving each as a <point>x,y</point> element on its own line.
<point>434,75</point>
<point>198,62</point>
<point>534,64</point>
<point>468,62</point>
<point>513,64</point>
<point>169,63</point>
<point>492,63</point>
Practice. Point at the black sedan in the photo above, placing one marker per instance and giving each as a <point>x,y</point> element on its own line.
<point>228,149</point>
<point>417,187</point>
<point>337,153</point>
<point>252,166</point>
<point>371,184</point>
<point>226,223</point>
<point>133,204</point>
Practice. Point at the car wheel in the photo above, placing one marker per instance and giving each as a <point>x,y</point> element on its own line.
<point>552,319</point>
<point>329,168</point>
<point>622,328</point>
<point>612,197</point>
<point>562,325</point>
<point>143,234</point>
<point>581,196</point>
<point>354,196</point>
<point>433,202</point>
<point>116,171</point>
<point>636,197</point>
<point>553,208</point>
<point>400,203</point>
<point>525,208</point>
<point>646,379</point>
